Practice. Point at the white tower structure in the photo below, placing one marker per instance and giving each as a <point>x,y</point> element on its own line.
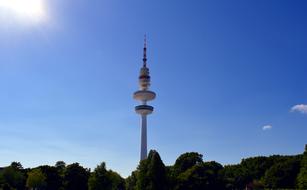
<point>144,95</point>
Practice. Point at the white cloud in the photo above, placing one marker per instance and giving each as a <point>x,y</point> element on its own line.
<point>302,108</point>
<point>267,127</point>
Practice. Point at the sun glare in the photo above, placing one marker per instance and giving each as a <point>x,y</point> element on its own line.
<point>31,10</point>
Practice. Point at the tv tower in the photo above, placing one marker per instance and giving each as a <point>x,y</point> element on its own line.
<point>144,95</point>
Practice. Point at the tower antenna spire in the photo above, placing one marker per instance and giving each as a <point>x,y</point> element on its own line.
<point>145,52</point>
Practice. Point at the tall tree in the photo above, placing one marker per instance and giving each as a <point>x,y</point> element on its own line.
<point>186,161</point>
<point>151,173</point>
<point>302,176</point>
<point>14,176</point>
<point>76,177</point>
<point>36,180</point>
<point>118,183</point>
<point>236,176</point>
<point>103,179</point>
<point>201,176</point>
<point>283,174</point>
<point>131,181</point>
<point>60,165</point>
<point>99,178</point>
<point>257,166</point>
<point>53,179</point>
<point>16,165</point>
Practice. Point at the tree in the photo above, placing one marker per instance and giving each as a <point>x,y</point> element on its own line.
<point>36,179</point>
<point>186,161</point>
<point>257,166</point>
<point>201,176</point>
<point>13,176</point>
<point>183,163</point>
<point>236,176</point>
<point>283,174</point>
<point>212,173</point>
<point>131,181</point>
<point>302,176</point>
<point>76,177</point>
<point>99,178</point>
<point>118,183</point>
<point>53,179</point>
<point>60,165</point>
<point>16,165</point>
<point>103,179</point>
<point>151,173</point>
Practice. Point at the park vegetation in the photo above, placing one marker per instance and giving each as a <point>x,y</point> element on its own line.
<point>189,172</point>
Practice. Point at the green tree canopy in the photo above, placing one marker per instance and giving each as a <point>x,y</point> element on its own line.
<point>99,178</point>
<point>36,179</point>
<point>13,176</point>
<point>53,179</point>
<point>283,174</point>
<point>76,177</point>
<point>102,179</point>
<point>60,165</point>
<point>131,181</point>
<point>186,161</point>
<point>302,176</point>
<point>118,183</point>
<point>16,165</point>
<point>151,173</point>
<point>236,176</point>
<point>201,176</point>
<point>257,166</point>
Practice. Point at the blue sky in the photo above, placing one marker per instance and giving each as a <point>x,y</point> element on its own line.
<point>227,76</point>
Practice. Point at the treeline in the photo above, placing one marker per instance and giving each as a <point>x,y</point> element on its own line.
<point>189,172</point>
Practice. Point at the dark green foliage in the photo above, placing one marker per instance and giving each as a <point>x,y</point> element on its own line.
<point>36,179</point>
<point>13,176</point>
<point>60,165</point>
<point>201,176</point>
<point>283,174</point>
<point>151,173</point>
<point>302,176</point>
<point>190,172</point>
<point>185,170</point>
<point>131,181</point>
<point>102,179</point>
<point>16,165</point>
<point>248,172</point>
<point>118,183</point>
<point>186,161</point>
<point>274,171</point>
<point>53,178</point>
<point>235,177</point>
<point>76,177</point>
<point>99,178</point>
<point>256,166</point>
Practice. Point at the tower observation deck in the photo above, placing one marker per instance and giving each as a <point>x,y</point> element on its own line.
<point>144,95</point>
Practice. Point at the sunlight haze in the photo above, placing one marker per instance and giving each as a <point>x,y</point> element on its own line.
<point>26,10</point>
